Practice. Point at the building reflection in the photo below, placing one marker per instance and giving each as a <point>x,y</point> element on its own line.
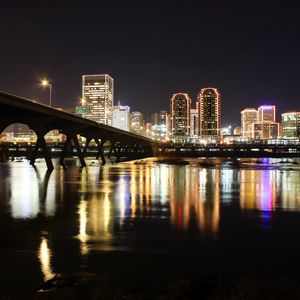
<point>268,190</point>
<point>32,192</point>
<point>290,191</point>
<point>197,195</point>
<point>95,211</point>
<point>209,201</point>
<point>83,236</point>
<point>258,190</point>
<point>24,197</point>
<point>44,255</point>
<point>188,196</point>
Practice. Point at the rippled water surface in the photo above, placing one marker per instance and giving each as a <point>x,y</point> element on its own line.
<point>147,219</point>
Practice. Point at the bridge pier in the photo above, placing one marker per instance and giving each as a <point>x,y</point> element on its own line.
<point>85,148</point>
<point>99,148</point>
<point>100,151</point>
<point>111,150</point>
<point>67,145</point>
<point>41,143</point>
<point>117,154</point>
<point>114,148</point>
<point>4,153</point>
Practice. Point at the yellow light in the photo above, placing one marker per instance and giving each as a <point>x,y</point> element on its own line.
<point>44,82</point>
<point>45,259</point>
<point>82,100</point>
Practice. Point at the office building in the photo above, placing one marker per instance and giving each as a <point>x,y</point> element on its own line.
<point>180,109</point>
<point>265,130</point>
<point>121,117</point>
<point>159,128</point>
<point>237,130</point>
<point>137,123</point>
<point>266,127</point>
<point>98,97</point>
<point>290,124</point>
<point>248,118</point>
<point>266,113</point>
<point>209,110</point>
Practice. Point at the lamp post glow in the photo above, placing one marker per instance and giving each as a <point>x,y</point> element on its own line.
<point>46,83</point>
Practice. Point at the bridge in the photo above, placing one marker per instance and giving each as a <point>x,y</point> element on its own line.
<point>43,119</point>
<point>254,150</point>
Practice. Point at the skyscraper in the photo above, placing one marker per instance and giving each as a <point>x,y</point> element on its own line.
<point>180,117</point>
<point>121,117</point>
<point>163,123</point>
<point>137,122</point>
<point>248,118</point>
<point>209,107</point>
<point>290,124</point>
<point>265,130</point>
<point>266,113</point>
<point>98,97</point>
<point>159,125</point>
<point>265,127</point>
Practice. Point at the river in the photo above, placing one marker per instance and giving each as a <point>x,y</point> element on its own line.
<point>155,222</point>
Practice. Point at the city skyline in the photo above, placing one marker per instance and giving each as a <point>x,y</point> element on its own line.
<point>252,61</point>
<point>186,124</point>
<point>150,149</point>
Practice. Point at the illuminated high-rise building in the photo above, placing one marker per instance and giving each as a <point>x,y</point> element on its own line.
<point>290,124</point>
<point>248,118</point>
<point>155,119</point>
<point>163,123</point>
<point>209,108</point>
<point>137,122</point>
<point>180,110</point>
<point>159,128</point>
<point>121,117</point>
<point>266,113</point>
<point>237,130</point>
<point>265,130</point>
<point>266,127</point>
<point>98,97</point>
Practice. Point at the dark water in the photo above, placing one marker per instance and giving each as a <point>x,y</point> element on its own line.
<point>148,220</point>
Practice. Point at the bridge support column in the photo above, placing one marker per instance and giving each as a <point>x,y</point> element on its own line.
<point>67,146</point>
<point>100,151</point>
<point>117,154</point>
<point>41,143</point>
<point>79,153</point>
<point>4,154</point>
<point>88,140</point>
<point>110,151</point>
<point>114,149</point>
<point>65,150</point>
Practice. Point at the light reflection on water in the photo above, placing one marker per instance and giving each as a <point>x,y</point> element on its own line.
<point>134,190</point>
<point>31,192</point>
<point>258,189</point>
<point>44,255</point>
<point>110,200</point>
<point>83,236</point>
<point>24,199</point>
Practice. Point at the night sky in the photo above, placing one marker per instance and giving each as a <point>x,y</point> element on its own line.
<point>249,50</point>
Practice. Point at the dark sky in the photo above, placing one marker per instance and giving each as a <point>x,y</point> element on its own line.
<point>249,50</point>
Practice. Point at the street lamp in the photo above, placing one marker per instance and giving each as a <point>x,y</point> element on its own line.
<point>46,83</point>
